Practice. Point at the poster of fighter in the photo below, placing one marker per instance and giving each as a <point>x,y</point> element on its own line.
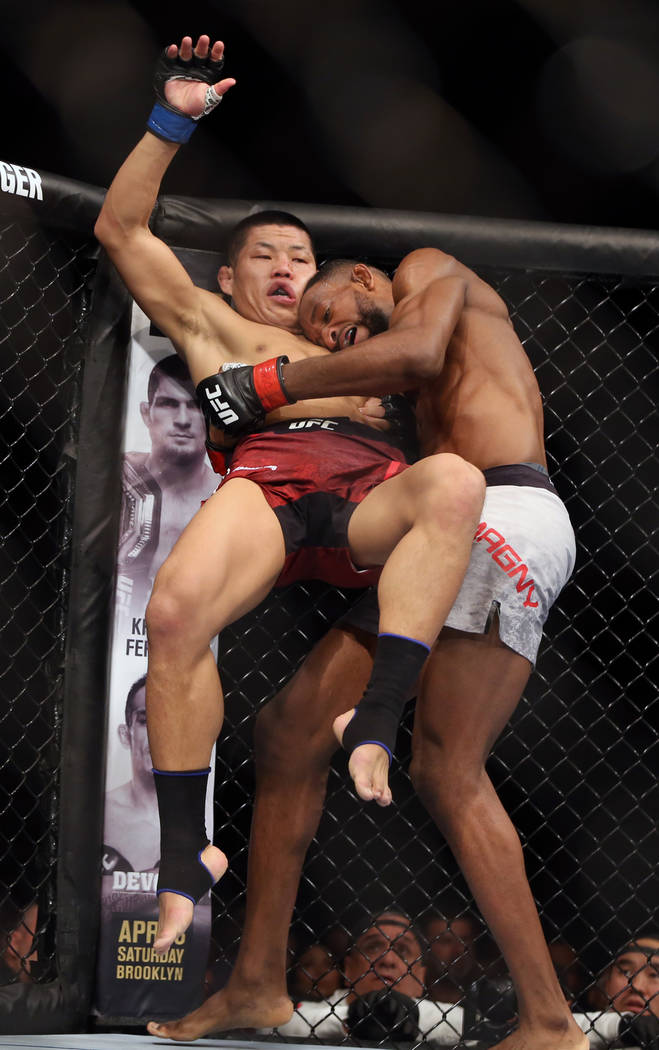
<point>165,478</point>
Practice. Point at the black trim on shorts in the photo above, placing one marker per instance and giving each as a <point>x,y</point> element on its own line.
<point>344,426</point>
<point>528,475</point>
<point>318,519</point>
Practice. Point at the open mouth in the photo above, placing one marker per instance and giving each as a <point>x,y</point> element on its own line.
<point>349,336</point>
<point>283,292</point>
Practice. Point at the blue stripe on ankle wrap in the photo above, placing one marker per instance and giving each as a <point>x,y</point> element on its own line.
<point>405,637</point>
<point>379,744</point>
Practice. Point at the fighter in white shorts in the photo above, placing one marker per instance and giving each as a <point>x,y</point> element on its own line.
<point>439,331</point>
<point>522,556</point>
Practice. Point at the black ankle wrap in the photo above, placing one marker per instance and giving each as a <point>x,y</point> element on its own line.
<point>398,661</point>
<point>181,805</point>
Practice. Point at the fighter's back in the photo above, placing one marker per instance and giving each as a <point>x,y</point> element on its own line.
<point>485,403</point>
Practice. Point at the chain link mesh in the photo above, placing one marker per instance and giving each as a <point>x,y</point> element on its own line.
<point>575,766</point>
<point>44,290</point>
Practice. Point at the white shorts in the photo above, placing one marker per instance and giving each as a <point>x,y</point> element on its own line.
<point>522,556</point>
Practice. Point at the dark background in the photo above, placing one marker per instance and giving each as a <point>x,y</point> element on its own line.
<point>540,109</point>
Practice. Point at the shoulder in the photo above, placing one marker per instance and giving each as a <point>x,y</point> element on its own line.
<point>429,263</point>
<point>428,271</point>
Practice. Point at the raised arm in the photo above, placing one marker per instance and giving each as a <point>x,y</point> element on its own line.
<point>149,268</point>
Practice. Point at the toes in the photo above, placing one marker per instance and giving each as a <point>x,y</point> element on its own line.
<point>364,790</point>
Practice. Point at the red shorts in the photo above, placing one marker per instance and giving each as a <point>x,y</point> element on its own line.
<point>313,473</point>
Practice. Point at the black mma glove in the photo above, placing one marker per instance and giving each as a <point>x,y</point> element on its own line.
<point>384,1014</point>
<point>238,398</point>
<point>639,1030</point>
<point>168,122</point>
<point>490,1010</point>
<point>399,413</point>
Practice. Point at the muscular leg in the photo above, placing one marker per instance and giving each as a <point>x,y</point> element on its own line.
<point>470,687</point>
<point>422,522</point>
<point>294,745</point>
<point>215,573</point>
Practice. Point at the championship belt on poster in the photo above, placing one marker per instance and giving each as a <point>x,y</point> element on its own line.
<point>139,530</point>
<point>139,507</point>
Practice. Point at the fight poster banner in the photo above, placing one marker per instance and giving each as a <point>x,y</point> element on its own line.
<point>165,477</point>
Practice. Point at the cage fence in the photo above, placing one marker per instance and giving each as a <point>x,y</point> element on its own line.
<point>576,767</point>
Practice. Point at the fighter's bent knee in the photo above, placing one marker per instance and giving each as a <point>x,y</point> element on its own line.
<point>170,612</point>
<point>457,484</point>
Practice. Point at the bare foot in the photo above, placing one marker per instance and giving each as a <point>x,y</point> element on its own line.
<point>175,912</point>
<point>368,766</point>
<point>570,1038</point>
<point>226,1010</point>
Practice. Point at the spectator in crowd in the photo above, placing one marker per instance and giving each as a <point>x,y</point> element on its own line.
<point>451,959</point>
<point>132,831</point>
<point>630,983</point>
<point>18,927</point>
<point>388,953</point>
<point>385,974</point>
<point>315,975</point>
<point>384,995</point>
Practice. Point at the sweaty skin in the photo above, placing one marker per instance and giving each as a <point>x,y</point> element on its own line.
<point>450,341</point>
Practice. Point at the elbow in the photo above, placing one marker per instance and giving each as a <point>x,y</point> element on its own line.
<point>112,231</point>
<point>105,230</point>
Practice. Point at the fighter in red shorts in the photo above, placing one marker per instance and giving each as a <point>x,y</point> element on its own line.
<point>313,473</point>
<point>417,525</point>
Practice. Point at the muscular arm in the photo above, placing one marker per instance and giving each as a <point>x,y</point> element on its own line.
<point>429,294</point>
<point>148,267</point>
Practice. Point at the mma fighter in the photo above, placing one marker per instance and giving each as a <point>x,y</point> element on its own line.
<point>331,484</point>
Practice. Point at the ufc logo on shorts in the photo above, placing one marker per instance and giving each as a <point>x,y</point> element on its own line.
<point>222,408</point>
<point>324,424</point>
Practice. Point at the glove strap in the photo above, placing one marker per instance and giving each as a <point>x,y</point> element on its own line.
<point>170,126</point>
<point>269,384</point>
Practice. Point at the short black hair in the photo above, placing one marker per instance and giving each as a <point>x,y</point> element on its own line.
<point>173,367</point>
<point>268,217</point>
<point>132,692</point>
<point>328,270</point>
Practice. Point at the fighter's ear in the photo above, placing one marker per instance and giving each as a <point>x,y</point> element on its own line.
<point>225,279</point>
<point>363,275</point>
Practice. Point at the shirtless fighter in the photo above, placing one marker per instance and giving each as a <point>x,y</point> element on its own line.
<point>319,488</point>
<point>477,396</point>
